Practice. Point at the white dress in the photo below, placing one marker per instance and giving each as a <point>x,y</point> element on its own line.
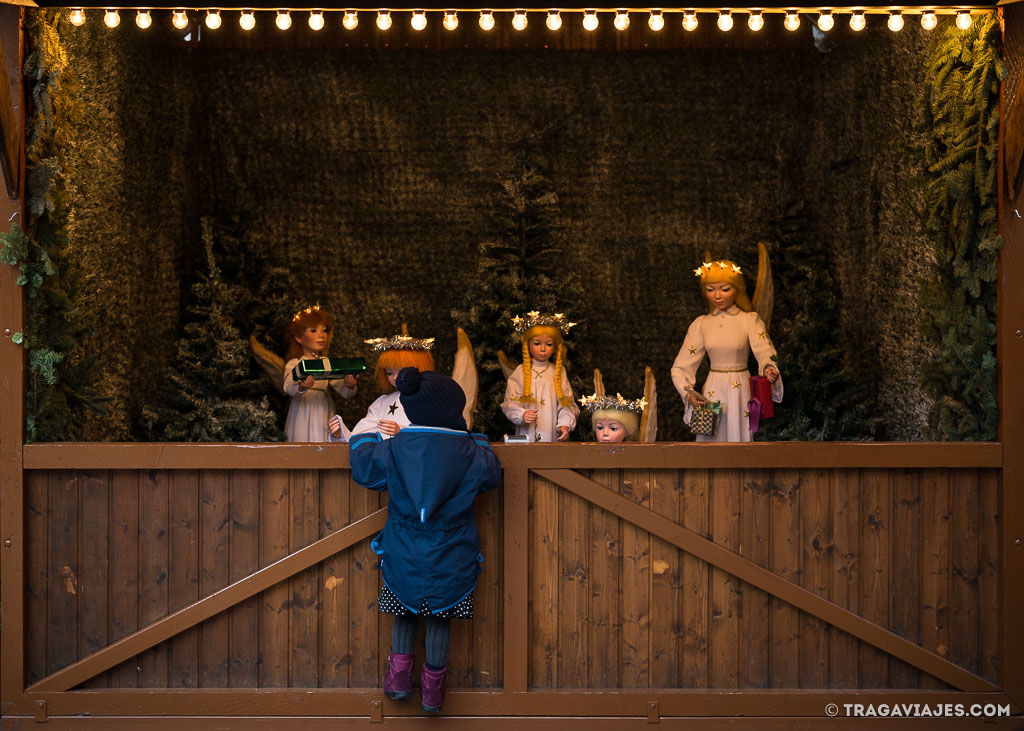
<point>550,413</point>
<point>388,406</point>
<point>728,337</point>
<point>309,412</point>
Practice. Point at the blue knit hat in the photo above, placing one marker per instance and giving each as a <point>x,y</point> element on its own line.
<point>431,398</point>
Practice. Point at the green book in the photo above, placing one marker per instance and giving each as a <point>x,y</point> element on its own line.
<point>328,369</point>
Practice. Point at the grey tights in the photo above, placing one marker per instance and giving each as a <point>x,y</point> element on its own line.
<point>438,637</point>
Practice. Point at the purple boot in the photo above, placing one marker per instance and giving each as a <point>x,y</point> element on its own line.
<point>432,688</point>
<point>398,678</point>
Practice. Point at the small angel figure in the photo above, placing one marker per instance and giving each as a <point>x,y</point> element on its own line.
<point>732,329</point>
<point>620,420</point>
<point>308,336</point>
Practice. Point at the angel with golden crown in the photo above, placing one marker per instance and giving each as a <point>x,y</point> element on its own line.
<point>733,328</point>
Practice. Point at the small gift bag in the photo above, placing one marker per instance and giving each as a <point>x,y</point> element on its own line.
<point>761,389</point>
<point>705,418</point>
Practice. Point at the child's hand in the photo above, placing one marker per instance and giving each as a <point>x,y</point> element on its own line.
<point>696,399</point>
<point>389,427</point>
<point>350,382</point>
<point>772,374</point>
<point>530,416</point>
<point>334,425</point>
<point>306,385</point>
<point>563,433</point>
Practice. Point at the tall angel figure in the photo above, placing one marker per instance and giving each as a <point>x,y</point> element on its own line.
<point>733,328</point>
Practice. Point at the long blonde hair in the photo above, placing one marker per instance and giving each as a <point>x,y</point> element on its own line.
<point>725,271</point>
<point>555,334</point>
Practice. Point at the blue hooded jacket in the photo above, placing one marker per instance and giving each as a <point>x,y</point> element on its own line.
<point>429,546</point>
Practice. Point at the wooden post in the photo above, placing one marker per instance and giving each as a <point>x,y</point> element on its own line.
<point>515,555</point>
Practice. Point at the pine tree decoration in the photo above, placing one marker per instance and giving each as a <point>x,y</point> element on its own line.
<point>211,396</point>
<point>520,268</point>
<point>960,116</point>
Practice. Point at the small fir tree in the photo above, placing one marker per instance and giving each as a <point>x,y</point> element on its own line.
<point>959,107</point>
<point>520,268</point>
<point>211,395</point>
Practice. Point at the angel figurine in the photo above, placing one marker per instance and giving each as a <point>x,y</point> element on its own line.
<point>620,420</point>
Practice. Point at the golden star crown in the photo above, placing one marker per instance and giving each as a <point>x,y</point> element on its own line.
<point>600,403</point>
<point>400,342</point>
<point>308,311</point>
<point>707,266</point>
<point>534,318</point>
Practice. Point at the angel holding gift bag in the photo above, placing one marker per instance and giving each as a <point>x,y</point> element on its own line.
<point>733,328</point>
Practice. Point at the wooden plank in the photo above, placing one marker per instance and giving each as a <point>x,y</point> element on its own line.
<point>487,599</point>
<point>244,551</point>
<point>365,637</point>
<point>335,486</point>
<point>606,553</point>
<point>724,643</point>
<point>517,588</point>
<point>62,571</point>
<point>755,544</point>
<point>905,591</point>
<point>935,575</point>
<point>814,569</point>
<point>154,570</point>
<point>655,455</point>
<point>183,577</point>
<point>573,590</point>
<point>36,522</point>
<point>215,550</point>
<point>964,561</point>
<point>636,586</point>
<point>94,525</point>
<point>274,521</point>
<point>10,125</point>
<point>303,620</point>
<point>665,584</point>
<point>874,571</point>
<point>543,584</point>
<point>124,572</point>
<point>988,581</point>
<point>785,562</point>
<point>695,608</point>
<point>844,589</point>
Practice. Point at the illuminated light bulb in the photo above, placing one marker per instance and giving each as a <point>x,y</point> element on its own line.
<point>590,20</point>
<point>451,20</point>
<point>554,21</point>
<point>657,21</point>
<point>895,21</point>
<point>247,20</point>
<point>963,19</point>
<point>858,22</point>
<point>283,20</point>
<point>929,20</point>
<point>621,21</point>
<point>724,21</point>
<point>111,19</point>
<point>690,20</point>
<point>316,19</point>
<point>826,21</point>
<point>143,19</point>
<point>179,19</point>
<point>756,21</point>
<point>213,19</point>
<point>77,16</point>
<point>792,21</point>
<point>383,19</point>
<point>350,20</point>
<point>419,20</point>
<point>519,20</point>
<point>486,20</point>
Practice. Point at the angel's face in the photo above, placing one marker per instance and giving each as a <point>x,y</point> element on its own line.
<point>721,295</point>
<point>392,374</point>
<point>609,430</point>
<point>542,347</point>
<point>313,340</point>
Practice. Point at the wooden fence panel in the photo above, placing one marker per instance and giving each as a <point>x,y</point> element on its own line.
<point>95,557</point>
<point>543,584</point>
<point>487,599</point>
<point>154,570</point>
<point>666,585</point>
<point>244,618</point>
<point>755,544</point>
<point>695,604</point>
<point>183,587</point>
<point>334,583</point>
<point>784,666</point>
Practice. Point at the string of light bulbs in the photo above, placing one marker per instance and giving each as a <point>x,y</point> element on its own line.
<point>826,18</point>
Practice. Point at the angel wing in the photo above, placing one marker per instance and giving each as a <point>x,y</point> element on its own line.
<point>764,290</point>
<point>649,421</point>
<point>271,363</point>
<point>507,366</point>
<point>598,383</point>
<point>464,373</point>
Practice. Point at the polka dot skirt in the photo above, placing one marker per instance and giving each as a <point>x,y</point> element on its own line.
<point>388,602</point>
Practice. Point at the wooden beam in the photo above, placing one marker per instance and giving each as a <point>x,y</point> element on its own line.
<point>10,116</point>
<point>768,581</point>
<point>660,455</point>
<point>516,582</point>
<point>230,595</point>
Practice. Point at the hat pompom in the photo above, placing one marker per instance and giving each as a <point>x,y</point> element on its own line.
<point>408,381</point>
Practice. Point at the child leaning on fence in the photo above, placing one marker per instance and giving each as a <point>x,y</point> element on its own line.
<point>433,471</point>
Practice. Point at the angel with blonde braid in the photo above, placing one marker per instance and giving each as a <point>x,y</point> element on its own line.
<point>538,398</point>
<point>733,328</point>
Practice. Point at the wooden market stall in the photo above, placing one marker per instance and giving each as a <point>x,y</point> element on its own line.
<point>677,584</point>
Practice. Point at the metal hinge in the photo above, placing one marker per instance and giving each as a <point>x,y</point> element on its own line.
<point>653,716</point>
<point>41,712</point>
<point>376,712</point>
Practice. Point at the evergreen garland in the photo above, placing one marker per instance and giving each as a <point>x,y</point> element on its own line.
<point>521,267</point>
<point>210,394</point>
<point>959,106</point>
<point>60,378</point>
